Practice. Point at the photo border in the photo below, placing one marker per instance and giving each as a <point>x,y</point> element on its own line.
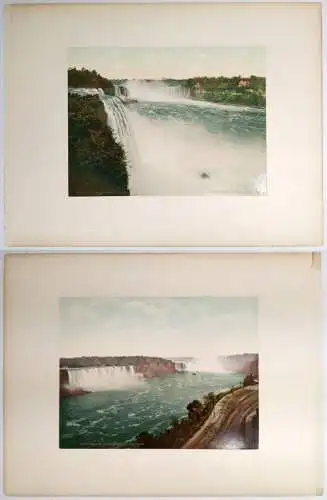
<point>257,222</point>
<point>288,287</point>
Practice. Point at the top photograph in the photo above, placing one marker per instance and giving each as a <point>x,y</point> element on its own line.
<point>164,125</point>
<point>203,133</point>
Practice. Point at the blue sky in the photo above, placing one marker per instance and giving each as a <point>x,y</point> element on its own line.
<point>168,327</point>
<point>170,62</point>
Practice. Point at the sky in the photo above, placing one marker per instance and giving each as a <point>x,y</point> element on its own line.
<point>165,327</point>
<point>169,62</point>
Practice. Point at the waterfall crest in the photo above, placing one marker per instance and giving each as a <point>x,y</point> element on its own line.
<point>104,378</point>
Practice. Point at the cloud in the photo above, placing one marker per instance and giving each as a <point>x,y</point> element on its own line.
<point>158,327</point>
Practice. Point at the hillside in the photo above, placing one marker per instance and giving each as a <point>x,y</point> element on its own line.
<point>96,163</point>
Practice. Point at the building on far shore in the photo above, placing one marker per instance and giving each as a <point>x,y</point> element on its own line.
<point>244,82</point>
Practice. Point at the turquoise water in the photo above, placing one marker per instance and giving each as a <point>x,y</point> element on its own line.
<point>175,143</point>
<point>115,418</point>
<point>233,121</point>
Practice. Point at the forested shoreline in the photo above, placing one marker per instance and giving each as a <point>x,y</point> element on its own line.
<point>237,90</point>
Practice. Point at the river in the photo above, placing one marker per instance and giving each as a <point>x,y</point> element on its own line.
<point>187,147</point>
<point>116,417</point>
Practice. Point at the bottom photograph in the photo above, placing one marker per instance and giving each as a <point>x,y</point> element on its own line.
<point>176,373</point>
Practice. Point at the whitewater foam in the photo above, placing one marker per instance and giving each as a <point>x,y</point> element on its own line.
<point>156,91</point>
<point>171,155</point>
<point>104,378</point>
<point>174,154</point>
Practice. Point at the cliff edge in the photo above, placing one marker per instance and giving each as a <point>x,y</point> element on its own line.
<point>235,418</point>
<point>147,367</point>
<point>96,163</point>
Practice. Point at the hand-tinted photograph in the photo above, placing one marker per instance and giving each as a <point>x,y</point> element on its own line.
<point>195,124</point>
<point>179,373</point>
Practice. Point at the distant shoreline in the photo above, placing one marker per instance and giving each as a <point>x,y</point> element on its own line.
<point>244,91</point>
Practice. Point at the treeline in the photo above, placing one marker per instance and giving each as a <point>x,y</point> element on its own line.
<point>89,79</point>
<point>181,430</point>
<point>96,163</point>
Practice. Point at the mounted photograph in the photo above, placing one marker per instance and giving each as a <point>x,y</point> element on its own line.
<point>198,128</point>
<point>176,373</point>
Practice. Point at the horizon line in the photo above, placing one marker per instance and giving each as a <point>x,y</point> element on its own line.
<point>242,75</point>
<point>150,356</point>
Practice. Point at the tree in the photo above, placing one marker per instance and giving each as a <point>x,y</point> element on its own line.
<point>89,79</point>
<point>210,400</point>
<point>194,409</point>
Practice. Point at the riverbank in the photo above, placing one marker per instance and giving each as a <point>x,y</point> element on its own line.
<point>230,415</point>
<point>144,402</point>
<point>96,163</point>
<point>234,418</point>
<point>212,423</point>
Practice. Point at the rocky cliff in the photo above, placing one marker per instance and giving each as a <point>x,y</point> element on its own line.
<point>68,392</point>
<point>148,367</point>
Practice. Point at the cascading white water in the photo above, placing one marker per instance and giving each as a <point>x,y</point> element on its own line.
<point>157,91</point>
<point>180,366</point>
<point>117,119</point>
<point>206,365</point>
<point>179,154</point>
<point>122,131</point>
<point>104,378</point>
<point>83,91</point>
<point>169,151</point>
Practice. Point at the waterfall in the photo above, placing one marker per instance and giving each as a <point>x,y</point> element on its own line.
<point>118,92</point>
<point>158,92</point>
<point>122,131</point>
<point>104,378</point>
<point>207,365</point>
<point>175,145</point>
<point>83,91</point>
<point>117,120</point>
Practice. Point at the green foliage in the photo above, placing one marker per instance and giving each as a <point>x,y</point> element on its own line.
<point>226,90</point>
<point>89,79</point>
<point>97,164</point>
<point>195,409</point>
<point>210,400</point>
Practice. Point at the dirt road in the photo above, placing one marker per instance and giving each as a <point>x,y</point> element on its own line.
<point>226,417</point>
